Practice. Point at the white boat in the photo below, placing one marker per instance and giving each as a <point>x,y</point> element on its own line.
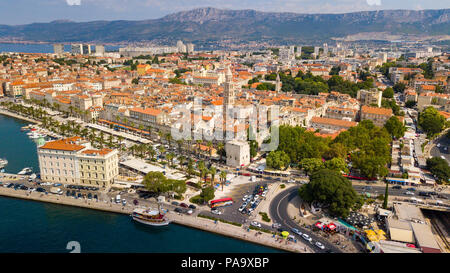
<point>25,171</point>
<point>150,217</point>
<point>3,163</point>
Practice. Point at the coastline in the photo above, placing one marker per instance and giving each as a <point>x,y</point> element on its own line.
<point>185,220</point>
<point>10,114</point>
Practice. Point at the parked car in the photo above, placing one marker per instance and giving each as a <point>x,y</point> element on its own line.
<point>175,203</point>
<point>320,245</point>
<point>411,189</point>
<point>296,231</point>
<point>216,211</point>
<point>192,206</point>
<point>179,210</point>
<point>255,224</point>
<point>276,225</point>
<point>306,237</point>
<point>409,193</point>
<point>241,208</point>
<point>397,187</point>
<point>184,205</point>
<point>245,197</point>
<point>190,212</point>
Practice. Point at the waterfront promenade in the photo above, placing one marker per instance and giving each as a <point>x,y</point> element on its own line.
<point>11,114</point>
<point>186,220</point>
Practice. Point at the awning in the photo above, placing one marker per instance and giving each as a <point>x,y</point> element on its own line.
<point>285,234</point>
<point>319,225</point>
<point>331,226</point>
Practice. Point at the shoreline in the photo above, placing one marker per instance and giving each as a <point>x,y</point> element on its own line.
<point>185,220</point>
<point>12,115</point>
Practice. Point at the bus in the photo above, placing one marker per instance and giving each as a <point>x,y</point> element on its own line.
<point>221,202</point>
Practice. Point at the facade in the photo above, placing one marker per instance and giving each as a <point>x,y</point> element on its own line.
<point>379,116</point>
<point>238,153</point>
<point>148,116</point>
<point>368,97</point>
<point>341,113</point>
<point>98,167</point>
<point>58,48</point>
<point>73,161</point>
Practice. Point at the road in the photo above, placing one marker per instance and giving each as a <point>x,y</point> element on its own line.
<point>278,211</point>
<point>436,151</point>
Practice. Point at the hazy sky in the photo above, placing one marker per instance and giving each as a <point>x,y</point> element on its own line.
<point>14,12</point>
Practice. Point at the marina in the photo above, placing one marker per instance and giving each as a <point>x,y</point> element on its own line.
<point>187,234</point>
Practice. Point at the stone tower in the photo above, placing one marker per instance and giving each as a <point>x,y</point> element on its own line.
<point>228,93</point>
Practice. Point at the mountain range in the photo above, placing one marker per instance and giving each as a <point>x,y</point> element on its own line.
<point>205,25</point>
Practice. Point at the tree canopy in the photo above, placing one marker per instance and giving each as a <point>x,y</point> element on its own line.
<point>158,183</point>
<point>439,168</point>
<point>395,127</point>
<point>431,121</point>
<point>331,189</point>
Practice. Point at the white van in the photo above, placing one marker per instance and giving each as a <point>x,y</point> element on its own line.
<point>118,199</point>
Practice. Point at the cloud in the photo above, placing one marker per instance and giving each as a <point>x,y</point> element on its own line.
<point>73,2</point>
<point>374,2</point>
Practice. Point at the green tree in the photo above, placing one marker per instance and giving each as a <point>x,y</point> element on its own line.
<point>388,93</point>
<point>154,182</point>
<point>207,193</point>
<point>395,127</point>
<point>337,164</point>
<point>439,168</point>
<point>331,189</point>
<point>311,165</point>
<point>410,104</point>
<point>277,160</point>
<point>431,121</point>
<point>399,87</point>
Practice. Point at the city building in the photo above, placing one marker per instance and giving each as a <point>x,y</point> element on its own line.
<point>73,161</point>
<point>58,48</point>
<point>238,153</point>
<point>379,116</point>
<point>370,97</point>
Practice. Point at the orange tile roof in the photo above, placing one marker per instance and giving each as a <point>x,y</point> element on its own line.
<point>376,110</point>
<point>68,144</point>
<point>331,121</point>
<point>147,111</point>
<point>104,151</point>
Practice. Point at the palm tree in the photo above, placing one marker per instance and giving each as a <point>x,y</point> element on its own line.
<point>213,172</point>
<point>182,159</point>
<point>180,143</point>
<point>198,141</point>
<point>223,178</point>
<point>151,151</point>
<point>170,157</point>
<point>210,150</point>
<point>190,168</point>
<point>169,138</point>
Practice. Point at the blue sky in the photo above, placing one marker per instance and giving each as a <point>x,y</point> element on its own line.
<point>15,12</point>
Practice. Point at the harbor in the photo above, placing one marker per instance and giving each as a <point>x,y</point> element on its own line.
<point>26,156</point>
<point>180,219</point>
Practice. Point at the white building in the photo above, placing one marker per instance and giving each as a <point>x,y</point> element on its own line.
<point>238,153</point>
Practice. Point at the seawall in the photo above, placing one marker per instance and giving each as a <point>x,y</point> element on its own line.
<point>185,220</point>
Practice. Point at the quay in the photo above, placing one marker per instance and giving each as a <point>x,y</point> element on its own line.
<point>10,114</point>
<point>220,228</point>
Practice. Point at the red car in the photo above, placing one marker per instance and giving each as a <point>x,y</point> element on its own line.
<point>184,205</point>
